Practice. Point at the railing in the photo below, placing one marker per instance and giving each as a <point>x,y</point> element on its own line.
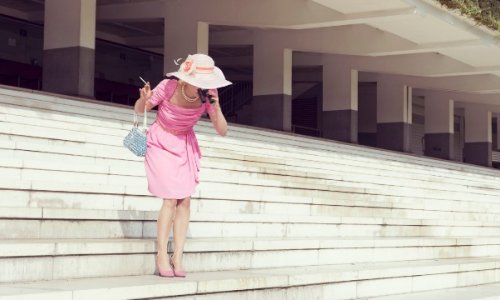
<point>495,156</point>
<point>310,131</point>
<point>120,98</point>
<point>115,92</point>
<point>21,81</point>
<point>235,96</point>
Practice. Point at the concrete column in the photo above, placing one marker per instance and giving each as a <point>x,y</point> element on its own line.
<point>497,144</point>
<point>439,130</point>
<point>477,148</point>
<point>272,85</point>
<point>340,102</point>
<point>367,113</point>
<point>183,36</point>
<point>394,114</point>
<point>69,47</point>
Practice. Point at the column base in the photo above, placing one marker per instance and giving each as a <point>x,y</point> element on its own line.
<point>69,71</point>
<point>272,112</point>
<point>367,139</point>
<point>394,136</point>
<point>341,125</point>
<point>439,145</point>
<point>478,153</point>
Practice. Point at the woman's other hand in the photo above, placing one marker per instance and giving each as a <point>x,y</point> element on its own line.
<point>216,115</point>
<point>214,96</point>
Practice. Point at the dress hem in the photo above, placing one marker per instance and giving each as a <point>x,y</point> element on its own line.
<point>170,197</point>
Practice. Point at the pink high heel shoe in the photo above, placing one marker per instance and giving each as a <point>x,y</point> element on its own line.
<point>176,273</point>
<point>164,273</point>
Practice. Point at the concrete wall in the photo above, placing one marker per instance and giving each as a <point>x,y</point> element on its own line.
<point>109,63</point>
<point>16,47</point>
<point>418,126</point>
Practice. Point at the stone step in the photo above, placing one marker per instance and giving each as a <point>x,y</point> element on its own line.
<point>44,195</point>
<point>247,162</point>
<point>124,173</point>
<point>120,114</point>
<point>345,281</point>
<point>478,292</point>
<point>92,246</point>
<point>107,113</point>
<point>33,149</point>
<point>47,259</point>
<point>276,174</point>
<point>25,170</point>
<point>47,195</point>
<point>79,223</point>
<point>459,186</point>
<point>319,144</point>
<point>342,205</point>
<point>50,133</point>
<point>24,192</point>
<point>137,215</point>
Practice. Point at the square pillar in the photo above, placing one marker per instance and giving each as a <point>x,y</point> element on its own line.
<point>69,47</point>
<point>477,147</point>
<point>394,114</point>
<point>340,101</point>
<point>272,85</point>
<point>439,129</point>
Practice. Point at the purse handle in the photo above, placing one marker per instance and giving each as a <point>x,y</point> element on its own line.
<point>144,119</point>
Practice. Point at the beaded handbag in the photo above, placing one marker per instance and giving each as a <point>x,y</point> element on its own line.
<point>135,140</point>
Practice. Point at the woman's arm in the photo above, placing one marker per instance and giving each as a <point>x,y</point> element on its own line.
<point>145,93</point>
<point>216,116</point>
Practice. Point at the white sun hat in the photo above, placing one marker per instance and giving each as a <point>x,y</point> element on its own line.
<point>200,70</point>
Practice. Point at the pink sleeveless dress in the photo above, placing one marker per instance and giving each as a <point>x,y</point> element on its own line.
<point>173,156</point>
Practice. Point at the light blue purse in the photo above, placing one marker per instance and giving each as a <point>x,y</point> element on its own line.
<point>135,140</point>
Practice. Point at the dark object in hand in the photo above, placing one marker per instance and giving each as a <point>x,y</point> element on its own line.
<point>203,94</point>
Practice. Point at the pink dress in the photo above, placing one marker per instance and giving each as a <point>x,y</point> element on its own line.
<point>173,156</point>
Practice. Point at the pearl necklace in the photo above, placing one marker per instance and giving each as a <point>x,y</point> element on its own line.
<point>188,99</point>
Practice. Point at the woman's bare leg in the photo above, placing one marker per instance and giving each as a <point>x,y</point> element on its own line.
<point>164,225</point>
<point>181,222</point>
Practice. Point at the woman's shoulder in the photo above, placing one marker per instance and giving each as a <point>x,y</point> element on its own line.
<point>163,82</point>
<point>166,86</point>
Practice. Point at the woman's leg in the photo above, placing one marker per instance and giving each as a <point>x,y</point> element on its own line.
<point>164,225</point>
<point>181,222</point>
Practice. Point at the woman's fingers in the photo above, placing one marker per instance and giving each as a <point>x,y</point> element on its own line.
<point>214,95</point>
<point>146,91</point>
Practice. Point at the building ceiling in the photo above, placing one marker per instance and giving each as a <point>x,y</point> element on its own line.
<point>24,5</point>
<point>405,37</point>
<point>122,29</point>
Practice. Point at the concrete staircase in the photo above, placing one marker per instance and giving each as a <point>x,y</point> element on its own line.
<point>277,216</point>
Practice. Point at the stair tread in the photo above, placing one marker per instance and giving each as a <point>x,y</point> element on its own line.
<point>74,246</point>
<point>145,286</point>
<point>479,292</point>
<point>394,156</point>
<point>135,215</point>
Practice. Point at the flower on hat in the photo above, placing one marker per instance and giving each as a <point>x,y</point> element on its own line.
<point>188,66</point>
<point>208,76</point>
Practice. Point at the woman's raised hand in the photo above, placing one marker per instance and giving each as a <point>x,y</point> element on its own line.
<point>146,91</point>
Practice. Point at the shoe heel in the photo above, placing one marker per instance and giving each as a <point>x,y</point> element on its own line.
<point>163,273</point>
<point>176,273</point>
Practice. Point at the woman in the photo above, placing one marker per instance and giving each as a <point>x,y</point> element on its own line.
<point>172,157</point>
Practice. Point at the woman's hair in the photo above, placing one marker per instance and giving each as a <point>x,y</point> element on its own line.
<point>175,78</point>
<point>171,77</point>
